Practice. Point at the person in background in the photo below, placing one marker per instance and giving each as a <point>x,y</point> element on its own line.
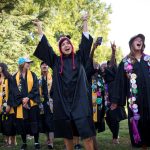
<point>7,114</point>
<point>113,117</point>
<point>46,106</point>
<point>132,86</point>
<point>27,98</point>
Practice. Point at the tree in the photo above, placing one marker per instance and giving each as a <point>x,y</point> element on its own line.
<point>18,36</point>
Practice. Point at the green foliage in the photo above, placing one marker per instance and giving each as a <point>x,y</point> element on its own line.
<point>103,53</point>
<point>58,17</point>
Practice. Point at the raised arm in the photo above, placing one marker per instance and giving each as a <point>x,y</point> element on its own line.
<point>113,55</point>
<point>86,41</point>
<point>44,51</point>
<point>93,50</point>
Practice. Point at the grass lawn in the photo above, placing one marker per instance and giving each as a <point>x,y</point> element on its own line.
<point>104,140</point>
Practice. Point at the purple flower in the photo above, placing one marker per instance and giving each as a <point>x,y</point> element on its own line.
<point>136,116</point>
<point>129,67</point>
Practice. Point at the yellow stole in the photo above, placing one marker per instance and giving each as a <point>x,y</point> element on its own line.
<point>49,82</point>
<point>6,93</point>
<point>30,85</point>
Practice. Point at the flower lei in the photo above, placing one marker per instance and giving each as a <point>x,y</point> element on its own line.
<point>107,102</point>
<point>128,66</point>
<point>41,107</point>
<point>98,88</point>
<point>4,102</point>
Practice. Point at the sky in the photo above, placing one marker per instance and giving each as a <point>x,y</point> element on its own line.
<point>129,18</point>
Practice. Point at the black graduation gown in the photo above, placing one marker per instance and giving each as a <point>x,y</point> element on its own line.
<point>46,119</point>
<point>30,123</point>
<point>109,77</point>
<point>122,93</point>
<point>90,71</point>
<point>70,92</point>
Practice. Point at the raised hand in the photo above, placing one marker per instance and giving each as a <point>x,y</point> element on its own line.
<point>85,16</point>
<point>113,46</point>
<point>95,45</point>
<point>85,24</point>
<point>38,24</point>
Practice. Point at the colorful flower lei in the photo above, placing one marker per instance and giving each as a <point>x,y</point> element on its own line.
<point>98,88</point>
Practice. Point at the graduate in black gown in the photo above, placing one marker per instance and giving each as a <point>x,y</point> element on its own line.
<point>27,98</point>
<point>7,114</point>
<point>113,117</point>
<point>46,105</point>
<point>132,84</point>
<point>101,84</point>
<point>70,92</point>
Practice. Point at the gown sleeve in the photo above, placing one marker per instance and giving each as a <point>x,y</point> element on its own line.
<point>34,93</point>
<point>89,69</point>
<point>110,73</point>
<point>85,48</point>
<point>45,52</point>
<point>120,86</point>
<point>45,90</point>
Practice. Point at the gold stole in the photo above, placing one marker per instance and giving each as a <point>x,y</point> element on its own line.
<point>49,82</point>
<point>30,85</point>
<point>6,93</point>
<point>1,90</point>
<point>94,106</point>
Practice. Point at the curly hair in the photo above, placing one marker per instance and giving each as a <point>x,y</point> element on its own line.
<point>5,70</point>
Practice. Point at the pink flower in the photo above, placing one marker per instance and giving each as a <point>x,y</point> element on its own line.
<point>129,67</point>
<point>98,93</point>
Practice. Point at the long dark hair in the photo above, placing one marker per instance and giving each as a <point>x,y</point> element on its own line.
<point>5,70</point>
